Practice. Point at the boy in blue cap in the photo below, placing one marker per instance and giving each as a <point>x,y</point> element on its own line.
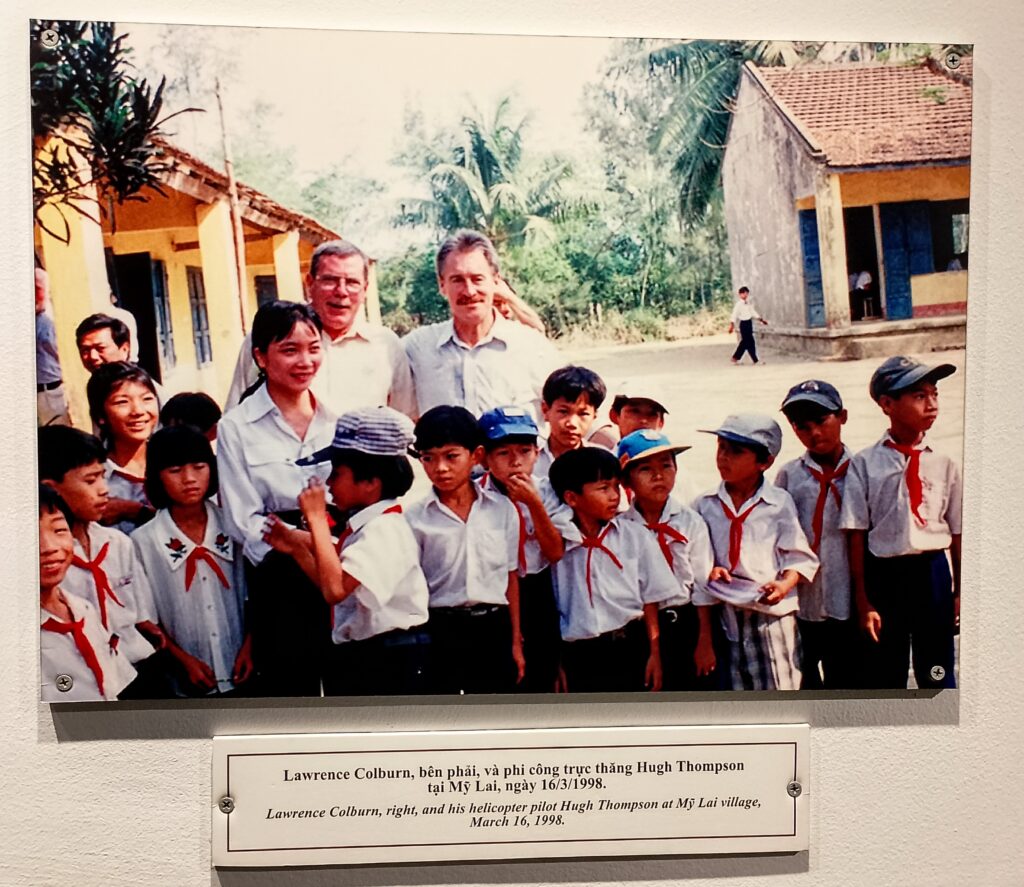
<point>902,511</point>
<point>648,461</point>
<point>510,454</point>
<point>761,554</point>
<point>816,481</point>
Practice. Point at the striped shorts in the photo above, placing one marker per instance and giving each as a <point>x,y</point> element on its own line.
<point>765,649</point>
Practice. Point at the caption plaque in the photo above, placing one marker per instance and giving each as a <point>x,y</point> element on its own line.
<point>349,798</point>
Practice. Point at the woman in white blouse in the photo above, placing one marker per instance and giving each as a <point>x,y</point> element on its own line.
<point>278,422</point>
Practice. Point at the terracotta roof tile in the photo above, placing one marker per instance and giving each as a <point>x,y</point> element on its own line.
<point>875,114</point>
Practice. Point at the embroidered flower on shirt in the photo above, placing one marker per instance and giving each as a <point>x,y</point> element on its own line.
<point>223,543</point>
<point>177,549</point>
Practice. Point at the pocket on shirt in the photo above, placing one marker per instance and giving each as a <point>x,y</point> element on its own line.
<point>494,555</point>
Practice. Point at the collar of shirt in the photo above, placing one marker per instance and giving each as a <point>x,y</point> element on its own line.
<point>362,517</point>
<point>920,445</point>
<point>766,492</point>
<point>671,509</point>
<point>72,603</point>
<point>175,546</point>
<point>499,331</point>
<point>260,403</point>
<point>805,459</point>
<point>360,329</point>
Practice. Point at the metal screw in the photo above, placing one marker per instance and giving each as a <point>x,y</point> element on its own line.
<point>794,789</point>
<point>49,38</point>
<point>64,682</point>
<point>226,804</point>
<point>953,60</point>
<point>937,673</point>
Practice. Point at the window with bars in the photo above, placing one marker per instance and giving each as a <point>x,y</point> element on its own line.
<point>162,310</point>
<point>200,317</point>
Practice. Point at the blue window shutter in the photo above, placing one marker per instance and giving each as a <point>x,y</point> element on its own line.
<point>896,259</point>
<point>919,238</point>
<point>813,293</point>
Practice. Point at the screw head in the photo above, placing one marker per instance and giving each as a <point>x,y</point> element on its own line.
<point>49,38</point>
<point>953,60</point>
<point>64,682</point>
<point>794,789</point>
<point>226,804</point>
<point>937,673</point>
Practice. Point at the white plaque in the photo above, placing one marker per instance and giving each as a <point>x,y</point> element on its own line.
<point>350,798</point>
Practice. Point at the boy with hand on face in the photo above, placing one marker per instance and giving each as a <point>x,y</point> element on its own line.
<point>761,554</point>
<point>510,453</point>
<point>649,470</point>
<point>816,481</point>
<point>468,541</point>
<point>570,400</point>
<point>902,512</point>
<point>608,584</point>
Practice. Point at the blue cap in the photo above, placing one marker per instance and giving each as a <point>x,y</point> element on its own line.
<point>751,429</point>
<point>378,431</point>
<point>502,422</point>
<point>643,443</point>
<point>899,373</point>
<point>817,392</point>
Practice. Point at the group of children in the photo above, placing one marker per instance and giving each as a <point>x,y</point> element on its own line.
<point>535,564</point>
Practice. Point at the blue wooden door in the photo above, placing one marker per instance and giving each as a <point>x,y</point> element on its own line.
<point>813,293</point>
<point>906,250</point>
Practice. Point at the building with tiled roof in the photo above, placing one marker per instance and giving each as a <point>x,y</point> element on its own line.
<point>832,171</point>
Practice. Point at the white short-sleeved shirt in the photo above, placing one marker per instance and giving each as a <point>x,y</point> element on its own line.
<point>59,655</point>
<point>382,555</point>
<point>744,311</point>
<point>206,619</point>
<point>772,543</point>
<point>507,367</point>
<point>691,556</point>
<point>127,583</point>
<point>616,595</point>
<point>533,560</point>
<point>123,485</point>
<point>876,499</point>
<point>828,596</point>
<point>365,367</point>
<point>466,562</point>
<point>256,453</point>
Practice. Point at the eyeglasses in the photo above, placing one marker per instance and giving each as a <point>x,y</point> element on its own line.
<point>348,284</point>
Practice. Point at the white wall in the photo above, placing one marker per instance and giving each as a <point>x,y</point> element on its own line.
<point>921,792</point>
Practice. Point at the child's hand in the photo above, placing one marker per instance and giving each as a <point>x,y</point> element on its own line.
<point>153,633</point>
<point>313,500</point>
<point>871,623</point>
<point>117,510</point>
<point>519,659</point>
<point>719,574</point>
<point>774,591</point>
<point>521,489</point>
<point>243,668</point>
<point>561,684</point>
<point>279,536</point>
<point>198,673</point>
<point>704,658</point>
<point>652,674</point>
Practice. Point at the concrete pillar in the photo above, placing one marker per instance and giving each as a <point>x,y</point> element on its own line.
<point>832,248</point>
<point>286,266</point>
<point>220,280</point>
<point>372,303</point>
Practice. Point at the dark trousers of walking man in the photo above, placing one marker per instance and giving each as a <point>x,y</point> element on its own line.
<point>746,342</point>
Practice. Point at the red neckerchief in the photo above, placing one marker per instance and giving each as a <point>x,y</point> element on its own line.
<point>199,553</point>
<point>100,580</point>
<point>913,476</point>
<point>348,531</point>
<point>736,531</point>
<point>76,628</point>
<point>666,534</point>
<point>826,478</point>
<point>597,542</point>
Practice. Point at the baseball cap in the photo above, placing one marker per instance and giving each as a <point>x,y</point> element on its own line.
<point>628,389</point>
<point>899,373</point>
<point>751,429</point>
<point>643,443</point>
<point>814,391</point>
<point>502,422</point>
<point>377,431</point>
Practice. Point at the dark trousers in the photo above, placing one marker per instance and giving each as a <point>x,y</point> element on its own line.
<point>542,638</point>
<point>156,678</point>
<point>290,624</point>
<point>613,662</point>
<point>678,629</point>
<point>829,652</point>
<point>471,649</point>
<point>393,663</point>
<point>914,597</point>
<point>746,345</point>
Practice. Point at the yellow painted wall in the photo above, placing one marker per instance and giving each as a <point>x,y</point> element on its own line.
<point>941,288</point>
<point>896,186</point>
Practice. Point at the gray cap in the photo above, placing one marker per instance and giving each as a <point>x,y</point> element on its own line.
<point>377,431</point>
<point>751,429</point>
<point>899,373</point>
<point>817,392</point>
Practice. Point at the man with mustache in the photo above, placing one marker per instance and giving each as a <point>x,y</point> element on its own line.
<point>364,364</point>
<point>478,360</point>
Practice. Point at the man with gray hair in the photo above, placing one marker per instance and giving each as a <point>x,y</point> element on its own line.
<point>364,363</point>
<point>478,359</point>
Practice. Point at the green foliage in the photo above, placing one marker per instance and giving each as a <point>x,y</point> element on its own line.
<point>84,90</point>
<point>408,284</point>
